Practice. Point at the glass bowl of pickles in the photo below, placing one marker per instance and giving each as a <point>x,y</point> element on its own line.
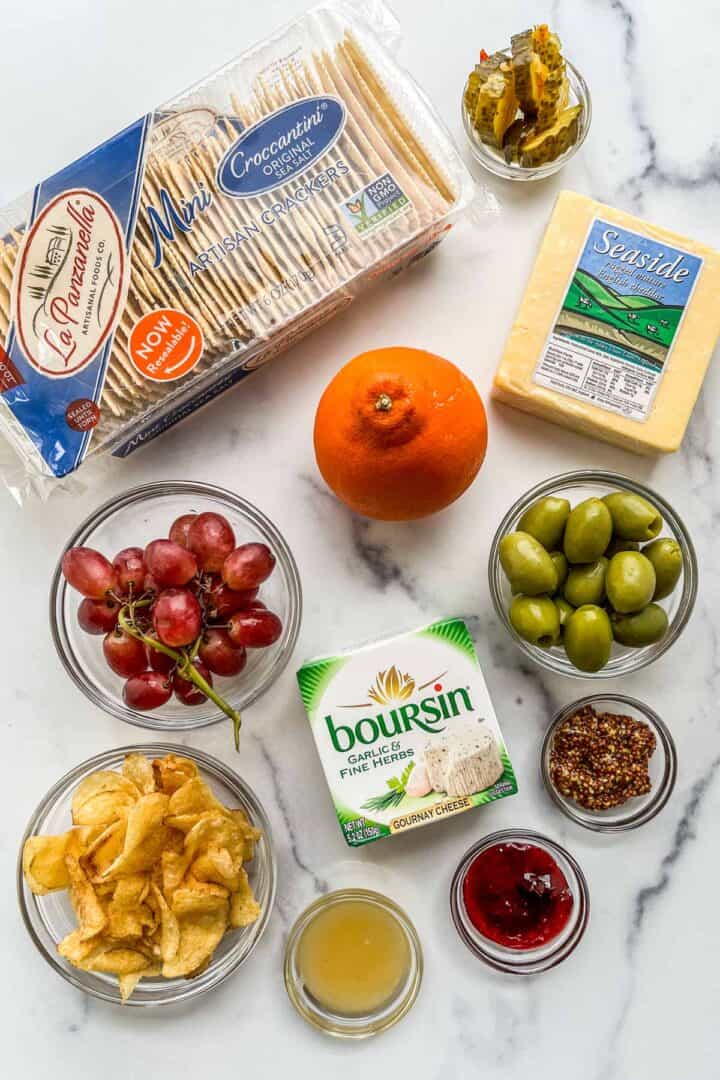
<point>592,574</point>
<point>527,110</point>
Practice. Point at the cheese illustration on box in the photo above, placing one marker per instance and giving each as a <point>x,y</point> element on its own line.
<point>616,328</point>
<point>406,731</point>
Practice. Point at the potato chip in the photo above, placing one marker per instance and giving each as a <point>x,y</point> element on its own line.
<point>127,983</point>
<point>170,928</point>
<point>199,937</point>
<point>117,960</point>
<point>198,898</point>
<point>194,797</point>
<point>145,837</point>
<point>174,868</point>
<point>102,797</point>
<point>105,849</point>
<point>154,869</point>
<point>210,827</point>
<point>89,910</point>
<point>75,948</point>
<point>104,808</point>
<point>244,908</point>
<point>126,923</point>
<point>130,891</point>
<point>182,822</point>
<point>43,863</point>
<point>171,772</point>
<point>217,864</point>
<point>251,834</point>
<point>139,770</point>
<point>146,816</point>
<point>141,858</point>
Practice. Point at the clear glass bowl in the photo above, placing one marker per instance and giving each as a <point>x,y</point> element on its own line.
<point>137,517</point>
<point>522,961</point>
<point>662,768</point>
<point>353,1026</point>
<point>493,160</point>
<point>576,486</point>
<point>49,918</point>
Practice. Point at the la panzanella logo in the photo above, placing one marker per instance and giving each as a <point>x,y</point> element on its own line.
<point>69,283</point>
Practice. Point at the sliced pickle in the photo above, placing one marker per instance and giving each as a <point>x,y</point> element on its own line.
<point>514,135</point>
<point>540,80</point>
<point>479,75</point>
<point>547,46</point>
<point>530,73</point>
<point>542,147</point>
<point>496,107</point>
<point>472,89</point>
<point>550,102</point>
<point>564,99</point>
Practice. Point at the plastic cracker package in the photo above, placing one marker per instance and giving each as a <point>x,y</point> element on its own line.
<point>161,268</point>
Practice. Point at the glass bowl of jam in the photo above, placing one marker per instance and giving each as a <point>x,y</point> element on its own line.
<point>608,762</point>
<point>519,901</point>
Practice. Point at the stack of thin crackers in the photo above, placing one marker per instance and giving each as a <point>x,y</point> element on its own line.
<point>260,297</point>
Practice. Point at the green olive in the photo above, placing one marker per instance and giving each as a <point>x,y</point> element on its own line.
<point>588,531</point>
<point>586,584</point>
<point>565,610</point>
<point>561,565</point>
<point>528,567</point>
<point>536,619</point>
<point>641,628</point>
<point>630,581</point>
<point>666,556</point>
<point>545,520</point>
<point>616,544</point>
<point>633,517</point>
<point>588,638</point>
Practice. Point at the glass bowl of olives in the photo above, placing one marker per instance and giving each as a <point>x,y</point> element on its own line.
<point>594,575</point>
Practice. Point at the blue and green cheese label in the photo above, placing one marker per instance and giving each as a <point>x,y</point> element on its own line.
<point>619,319</point>
<point>406,732</point>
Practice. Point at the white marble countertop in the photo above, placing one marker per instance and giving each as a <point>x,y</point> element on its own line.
<point>640,997</point>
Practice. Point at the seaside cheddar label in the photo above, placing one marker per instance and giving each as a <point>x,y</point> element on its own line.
<point>619,319</point>
<point>406,732</point>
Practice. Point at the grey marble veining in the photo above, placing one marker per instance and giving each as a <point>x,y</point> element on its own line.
<point>639,999</point>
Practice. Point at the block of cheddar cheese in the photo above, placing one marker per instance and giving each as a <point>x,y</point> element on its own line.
<point>616,328</point>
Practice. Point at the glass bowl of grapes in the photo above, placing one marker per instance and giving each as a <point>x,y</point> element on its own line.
<point>175,605</point>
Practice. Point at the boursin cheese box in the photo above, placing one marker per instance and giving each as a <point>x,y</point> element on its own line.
<point>406,731</point>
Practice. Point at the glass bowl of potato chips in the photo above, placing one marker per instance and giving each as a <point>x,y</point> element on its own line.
<point>147,874</point>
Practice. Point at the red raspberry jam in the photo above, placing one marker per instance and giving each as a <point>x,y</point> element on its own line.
<point>517,895</point>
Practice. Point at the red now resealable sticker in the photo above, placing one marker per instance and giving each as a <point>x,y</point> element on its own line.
<point>10,377</point>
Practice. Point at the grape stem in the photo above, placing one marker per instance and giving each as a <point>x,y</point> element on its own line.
<point>185,666</point>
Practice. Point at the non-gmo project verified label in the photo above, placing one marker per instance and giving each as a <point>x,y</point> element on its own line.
<point>375,205</point>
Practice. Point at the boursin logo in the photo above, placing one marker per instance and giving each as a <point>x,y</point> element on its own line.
<point>280,146</point>
<point>69,284</point>
<point>396,689</point>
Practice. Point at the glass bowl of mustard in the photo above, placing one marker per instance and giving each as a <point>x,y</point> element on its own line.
<point>608,749</point>
<point>353,963</point>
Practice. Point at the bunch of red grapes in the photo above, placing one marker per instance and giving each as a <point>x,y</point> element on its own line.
<point>177,612</point>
